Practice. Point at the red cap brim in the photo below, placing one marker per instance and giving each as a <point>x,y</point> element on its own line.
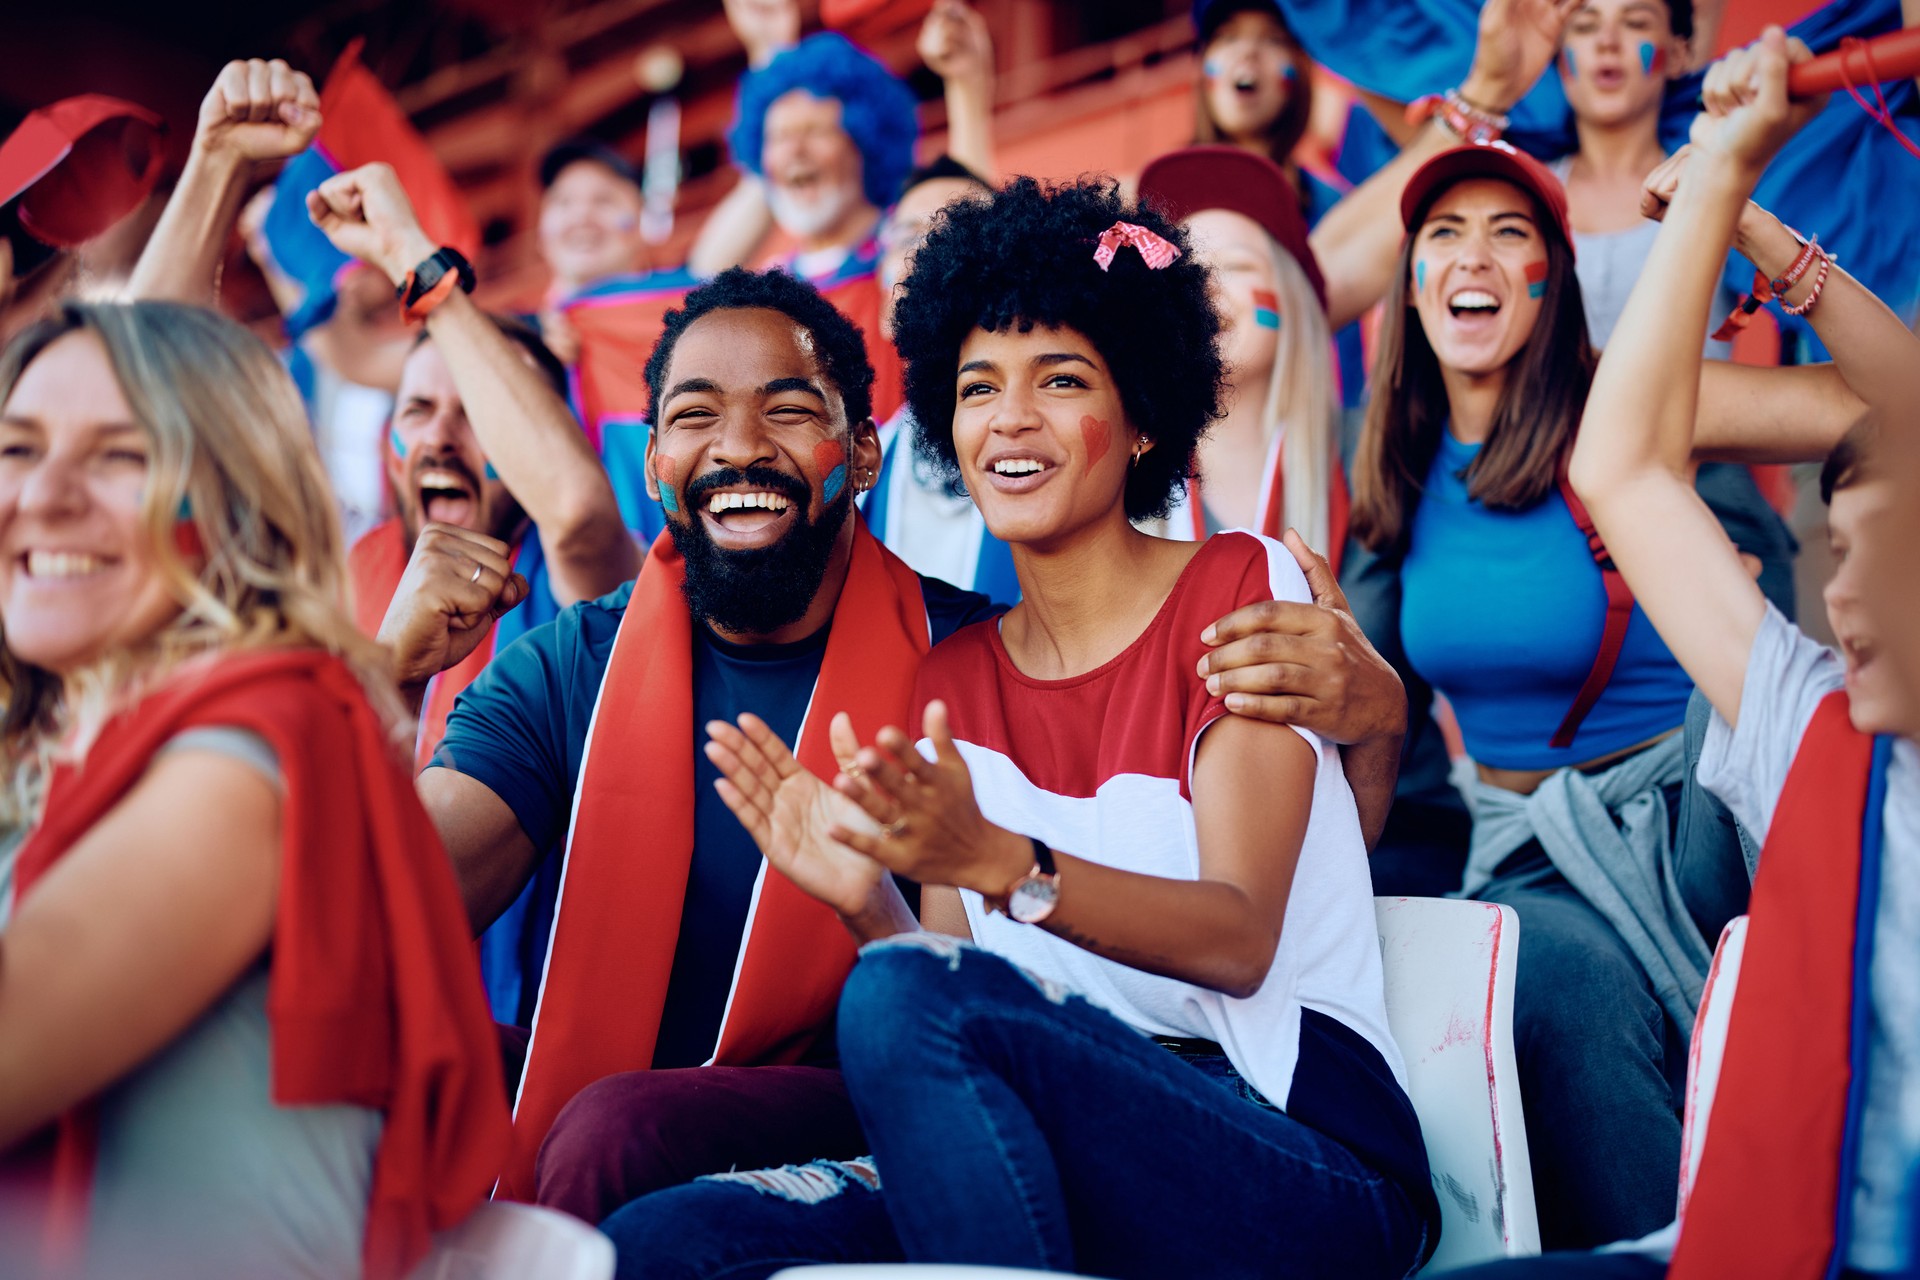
<point>1485,160</point>
<point>79,166</point>
<point>1192,180</point>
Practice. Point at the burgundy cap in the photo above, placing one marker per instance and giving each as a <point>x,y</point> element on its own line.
<point>79,166</point>
<point>1190,181</point>
<point>1485,160</point>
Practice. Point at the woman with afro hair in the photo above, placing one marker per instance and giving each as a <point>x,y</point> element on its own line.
<point>1143,1032</point>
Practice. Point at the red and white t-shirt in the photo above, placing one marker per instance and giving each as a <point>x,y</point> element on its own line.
<point>1100,766</point>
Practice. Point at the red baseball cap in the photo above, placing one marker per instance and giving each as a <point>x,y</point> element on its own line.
<point>1189,181</point>
<point>79,166</point>
<point>1485,160</point>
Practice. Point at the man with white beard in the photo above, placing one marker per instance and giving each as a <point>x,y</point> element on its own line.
<point>829,131</point>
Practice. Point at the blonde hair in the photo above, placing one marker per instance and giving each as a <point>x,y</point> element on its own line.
<point>1302,403</point>
<point>232,454</point>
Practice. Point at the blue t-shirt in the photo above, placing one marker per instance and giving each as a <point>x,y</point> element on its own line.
<point>1502,611</point>
<point>521,729</point>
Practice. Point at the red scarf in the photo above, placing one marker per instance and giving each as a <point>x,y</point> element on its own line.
<point>1767,1198</point>
<point>625,876</point>
<point>1273,505</point>
<point>372,996</point>
<point>374,566</point>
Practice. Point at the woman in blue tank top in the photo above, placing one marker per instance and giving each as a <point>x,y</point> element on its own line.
<point>1577,769</point>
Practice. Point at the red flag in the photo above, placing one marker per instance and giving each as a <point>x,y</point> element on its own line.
<point>361,123</point>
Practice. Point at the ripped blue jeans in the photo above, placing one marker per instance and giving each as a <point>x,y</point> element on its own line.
<point>1015,1125</point>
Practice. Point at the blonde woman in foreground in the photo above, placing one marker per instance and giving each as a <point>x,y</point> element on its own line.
<point>240,1028</point>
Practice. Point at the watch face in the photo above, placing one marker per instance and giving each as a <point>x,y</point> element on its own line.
<point>1033,899</point>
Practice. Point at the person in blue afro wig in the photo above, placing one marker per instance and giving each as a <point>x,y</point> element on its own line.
<point>878,111</point>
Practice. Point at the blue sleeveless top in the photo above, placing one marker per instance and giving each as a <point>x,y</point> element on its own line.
<point>1502,612</point>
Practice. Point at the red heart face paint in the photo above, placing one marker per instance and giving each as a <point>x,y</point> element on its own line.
<point>1097,435</point>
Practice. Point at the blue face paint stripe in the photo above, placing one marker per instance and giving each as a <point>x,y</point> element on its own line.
<point>490,473</point>
<point>399,445</point>
<point>186,508</point>
<point>1538,289</point>
<point>669,500</point>
<point>836,481</point>
<point>1647,52</point>
<point>1567,56</point>
<point>1419,275</point>
<point>1266,319</point>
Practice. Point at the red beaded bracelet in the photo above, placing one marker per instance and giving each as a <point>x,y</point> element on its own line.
<point>1765,290</point>
<point>1819,283</point>
<point>1460,118</point>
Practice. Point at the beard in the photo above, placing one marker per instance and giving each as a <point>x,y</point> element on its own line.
<point>810,217</point>
<point>759,591</point>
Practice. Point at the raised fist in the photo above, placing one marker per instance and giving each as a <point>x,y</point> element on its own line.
<point>456,585</point>
<point>1747,114</point>
<point>258,111</point>
<point>366,213</point>
<point>765,27</point>
<point>954,42</point>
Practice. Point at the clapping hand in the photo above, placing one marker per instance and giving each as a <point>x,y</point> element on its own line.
<point>930,826</point>
<point>791,814</point>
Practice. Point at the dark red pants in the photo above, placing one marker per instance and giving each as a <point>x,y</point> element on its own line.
<point>643,1131</point>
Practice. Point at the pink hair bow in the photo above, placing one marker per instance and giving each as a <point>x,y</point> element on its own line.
<point>1155,250</point>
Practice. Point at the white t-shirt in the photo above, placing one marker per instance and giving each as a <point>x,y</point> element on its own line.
<point>1746,766</point>
<point>1099,765</point>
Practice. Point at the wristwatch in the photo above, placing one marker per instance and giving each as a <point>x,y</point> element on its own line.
<point>430,283</point>
<point>1034,895</point>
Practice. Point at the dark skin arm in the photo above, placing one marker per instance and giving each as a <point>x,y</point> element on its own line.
<point>1253,791</point>
<point>1311,665</point>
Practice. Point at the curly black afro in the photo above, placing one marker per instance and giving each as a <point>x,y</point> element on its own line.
<point>1025,257</point>
<point>837,339</point>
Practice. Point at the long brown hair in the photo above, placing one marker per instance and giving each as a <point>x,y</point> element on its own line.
<point>1284,134</point>
<point>1533,424</point>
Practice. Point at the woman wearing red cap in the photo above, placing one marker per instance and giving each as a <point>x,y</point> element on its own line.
<point>240,1028</point>
<point>1568,701</point>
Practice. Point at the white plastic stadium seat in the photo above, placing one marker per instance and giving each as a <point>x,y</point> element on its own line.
<point>504,1241</point>
<point>1449,968</point>
<point>1709,1047</point>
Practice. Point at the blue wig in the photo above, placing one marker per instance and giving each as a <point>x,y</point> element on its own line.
<point>878,111</point>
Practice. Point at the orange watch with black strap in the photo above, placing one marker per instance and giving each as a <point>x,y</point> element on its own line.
<point>433,282</point>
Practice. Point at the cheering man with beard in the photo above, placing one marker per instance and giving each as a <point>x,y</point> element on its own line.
<point>683,1019</point>
<point>493,479</point>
